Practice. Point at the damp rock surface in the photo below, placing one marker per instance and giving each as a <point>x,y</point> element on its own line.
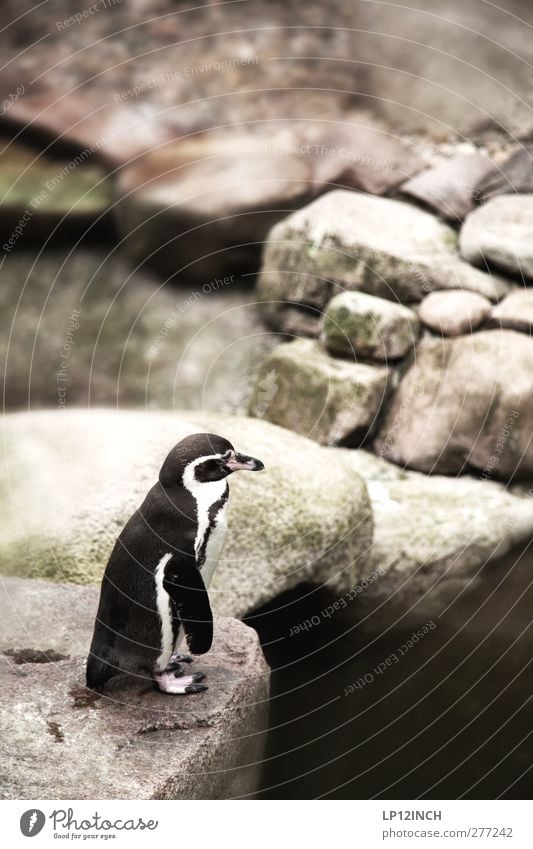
<point>64,741</point>
<point>464,404</point>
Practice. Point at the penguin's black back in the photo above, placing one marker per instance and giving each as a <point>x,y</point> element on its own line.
<point>127,633</point>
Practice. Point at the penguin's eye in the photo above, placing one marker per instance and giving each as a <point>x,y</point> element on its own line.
<point>212,469</point>
<point>209,470</point>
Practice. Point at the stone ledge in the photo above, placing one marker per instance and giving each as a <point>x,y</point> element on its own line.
<point>132,742</point>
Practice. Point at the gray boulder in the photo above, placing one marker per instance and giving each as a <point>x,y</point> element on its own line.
<point>433,536</point>
<point>333,401</point>
<point>515,174</point>
<point>465,403</point>
<point>349,240</point>
<point>74,478</point>
<point>500,232</point>
<point>360,324</point>
<point>453,313</point>
<point>65,742</point>
<point>439,524</point>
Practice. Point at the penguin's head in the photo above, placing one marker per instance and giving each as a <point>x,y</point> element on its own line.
<point>204,458</point>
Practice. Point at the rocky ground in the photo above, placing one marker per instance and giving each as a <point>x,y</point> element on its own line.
<point>189,67</point>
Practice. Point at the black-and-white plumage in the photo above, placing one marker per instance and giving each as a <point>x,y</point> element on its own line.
<point>154,590</point>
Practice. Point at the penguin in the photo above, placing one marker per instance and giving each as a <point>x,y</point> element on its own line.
<point>154,589</point>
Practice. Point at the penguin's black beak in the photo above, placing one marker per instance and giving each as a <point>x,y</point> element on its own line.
<point>237,462</point>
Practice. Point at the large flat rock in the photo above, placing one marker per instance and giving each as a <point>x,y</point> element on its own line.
<point>465,404</point>
<point>113,131</point>
<point>350,240</point>
<point>435,539</point>
<point>203,207</point>
<point>439,525</point>
<point>62,741</point>
<point>103,333</point>
<point>73,478</point>
<point>450,188</point>
<point>499,232</point>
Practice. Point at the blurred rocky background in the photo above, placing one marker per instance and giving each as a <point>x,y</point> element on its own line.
<point>309,227</point>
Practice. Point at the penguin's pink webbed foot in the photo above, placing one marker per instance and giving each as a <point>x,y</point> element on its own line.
<point>177,684</point>
<point>176,662</point>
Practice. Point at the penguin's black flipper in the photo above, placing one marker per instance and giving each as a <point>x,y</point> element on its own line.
<point>184,584</point>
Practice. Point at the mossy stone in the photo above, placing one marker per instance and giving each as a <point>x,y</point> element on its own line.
<point>73,479</point>
<point>357,324</point>
<point>301,387</point>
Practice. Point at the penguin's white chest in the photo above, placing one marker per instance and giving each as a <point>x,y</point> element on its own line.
<point>211,529</point>
<point>215,543</point>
